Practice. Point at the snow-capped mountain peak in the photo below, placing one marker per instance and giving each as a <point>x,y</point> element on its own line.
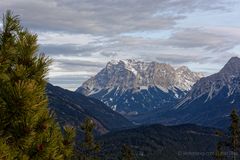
<point>131,82</point>
<point>132,74</point>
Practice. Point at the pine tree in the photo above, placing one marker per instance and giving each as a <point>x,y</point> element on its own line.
<point>234,133</point>
<point>69,135</point>
<point>219,153</point>
<point>233,142</point>
<point>89,148</point>
<point>127,153</point>
<point>27,129</point>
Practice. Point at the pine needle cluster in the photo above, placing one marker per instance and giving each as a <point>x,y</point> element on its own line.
<point>28,130</point>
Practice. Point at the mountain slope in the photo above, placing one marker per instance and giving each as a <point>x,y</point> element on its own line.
<point>210,101</point>
<point>132,87</point>
<point>72,108</point>
<point>157,142</point>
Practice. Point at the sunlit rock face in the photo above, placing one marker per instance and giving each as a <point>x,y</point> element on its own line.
<point>132,87</point>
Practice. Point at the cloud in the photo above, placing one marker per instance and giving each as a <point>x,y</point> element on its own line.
<point>68,38</point>
<point>68,49</point>
<point>70,81</point>
<point>71,73</point>
<point>211,39</point>
<point>106,16</point>
<point>77,63</point>
<point>109,54</point>
<point>181,59</point>
<point>82,35</point>
<point>189,42</point>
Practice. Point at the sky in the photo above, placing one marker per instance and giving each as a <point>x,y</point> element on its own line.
<point>81,36</point>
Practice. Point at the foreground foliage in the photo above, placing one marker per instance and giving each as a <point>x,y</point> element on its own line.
<point>27,129</point>
<point>229,147</point>
<point>88,148</point>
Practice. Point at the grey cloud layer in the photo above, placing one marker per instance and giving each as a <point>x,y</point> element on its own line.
<point>192,38</point>
<point>71,82</point>
<point>78,63</point>
<point>82,35</point>
<point>105,16</point>
<point>181,59</point>
<point>68,49</point>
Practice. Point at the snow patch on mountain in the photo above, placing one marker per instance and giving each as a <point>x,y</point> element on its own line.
<point>224,83</point>
<point>132,74</point>
<point>131,84</point>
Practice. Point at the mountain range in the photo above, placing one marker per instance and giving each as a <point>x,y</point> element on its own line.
<point>164,103</point>
<point>164,100</point>
<point>148,93</point>
<point>209,102</point>
<point>155,142</point>
<point>133,87</point>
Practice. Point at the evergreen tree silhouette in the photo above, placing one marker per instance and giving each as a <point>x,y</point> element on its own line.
<point>232,142</point>
<point>88,148</point>
<point>234,133</point>
<point>28,130</point>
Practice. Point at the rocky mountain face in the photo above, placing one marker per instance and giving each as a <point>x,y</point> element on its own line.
<point>210,100</point>
<point>72,108</point>
<point>225,80</point>
<point>132,87</point>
